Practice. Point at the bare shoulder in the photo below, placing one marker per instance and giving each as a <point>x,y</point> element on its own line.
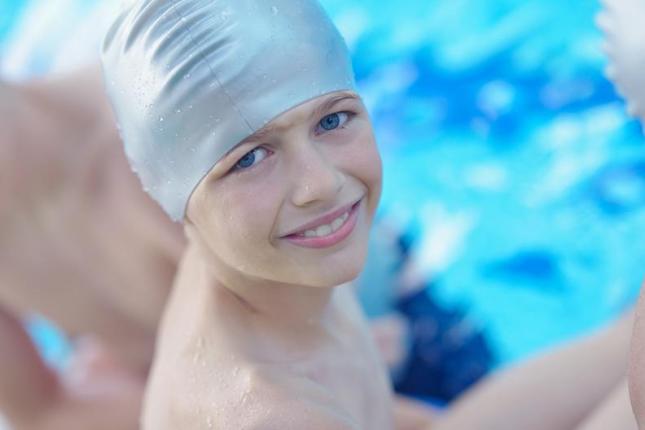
<point>278,400</point>
<point>245,397</point>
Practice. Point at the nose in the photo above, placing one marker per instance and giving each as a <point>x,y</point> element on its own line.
<point>316,178</point>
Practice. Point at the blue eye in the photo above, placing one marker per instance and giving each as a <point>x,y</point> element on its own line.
<point>250,159</point>
<point>334,120</point>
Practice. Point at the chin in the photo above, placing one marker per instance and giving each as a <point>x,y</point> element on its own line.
<point>341,270</point>
<point>334,282</point>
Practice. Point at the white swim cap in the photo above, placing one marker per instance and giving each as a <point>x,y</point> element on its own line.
<point>190,79</point>
<point>623,22</point>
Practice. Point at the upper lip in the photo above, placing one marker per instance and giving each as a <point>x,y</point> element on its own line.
<point>325,219</point>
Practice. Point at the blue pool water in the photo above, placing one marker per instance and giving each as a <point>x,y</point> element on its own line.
<point>507,155</point>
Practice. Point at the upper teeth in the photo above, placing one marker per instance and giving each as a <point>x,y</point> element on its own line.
<point>327,229</point>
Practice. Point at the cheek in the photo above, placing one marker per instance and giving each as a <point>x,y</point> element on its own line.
<point>248,214</point>
<point>363,161</point>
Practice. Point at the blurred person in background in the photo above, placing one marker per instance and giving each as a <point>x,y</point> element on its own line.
<point>623,22</point>
<point>82,245</point>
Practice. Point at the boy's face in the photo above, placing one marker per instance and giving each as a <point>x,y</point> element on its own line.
<point>313,160</point>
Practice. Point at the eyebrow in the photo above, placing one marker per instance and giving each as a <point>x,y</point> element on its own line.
<point>331,102</point>
<point>270,128</point>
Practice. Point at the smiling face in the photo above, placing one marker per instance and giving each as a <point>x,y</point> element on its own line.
<point>294,202</point>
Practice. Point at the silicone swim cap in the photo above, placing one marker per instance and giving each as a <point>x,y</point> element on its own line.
<point>622,22</point>
<point>190,79</point>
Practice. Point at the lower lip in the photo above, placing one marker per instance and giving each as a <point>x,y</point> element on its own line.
<point>334,238</point>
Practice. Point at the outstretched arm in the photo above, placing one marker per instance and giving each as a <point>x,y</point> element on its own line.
<point>554,391</point>
<point>613,413</point>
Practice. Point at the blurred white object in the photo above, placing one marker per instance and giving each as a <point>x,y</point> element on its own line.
<point>623,22</point>
<point>56,36</point>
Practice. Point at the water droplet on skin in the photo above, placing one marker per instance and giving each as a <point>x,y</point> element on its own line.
<point>209,422</point>
<point>178,111</point>
<point>160,119</point>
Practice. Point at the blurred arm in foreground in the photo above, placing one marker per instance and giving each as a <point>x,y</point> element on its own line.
<point>82,245</point>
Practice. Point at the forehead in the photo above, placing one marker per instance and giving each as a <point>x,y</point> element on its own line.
<point>308,110</point>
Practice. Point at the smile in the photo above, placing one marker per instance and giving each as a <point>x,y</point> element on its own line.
<point>329,234</point>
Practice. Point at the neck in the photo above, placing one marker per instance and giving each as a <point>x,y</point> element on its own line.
<point>291,305</point>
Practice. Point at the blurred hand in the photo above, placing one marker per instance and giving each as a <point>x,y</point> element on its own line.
<point>95,392</point>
